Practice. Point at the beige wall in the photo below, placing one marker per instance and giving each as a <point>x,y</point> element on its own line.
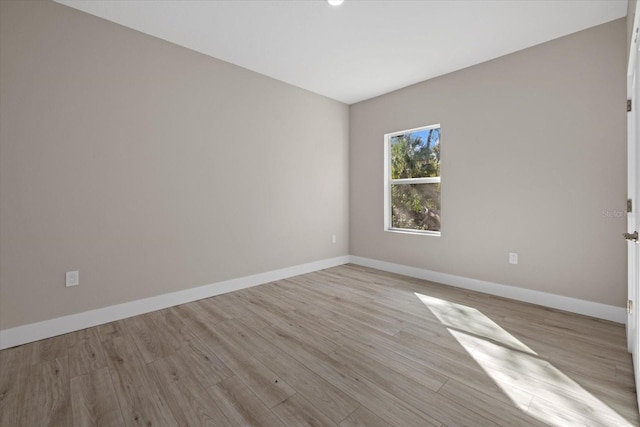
<point>533,161</point>
<point>151,168</point>
<point>631,14</point>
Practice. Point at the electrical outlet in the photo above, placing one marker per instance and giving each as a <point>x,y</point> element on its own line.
<point>513,258</point>
<point>73,278</point>
<point>333,238</point>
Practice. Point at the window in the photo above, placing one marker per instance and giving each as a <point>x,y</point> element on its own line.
<point>412,180</point>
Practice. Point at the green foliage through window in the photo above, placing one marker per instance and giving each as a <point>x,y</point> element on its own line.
<point>416,156</point>
<point>415,159</point>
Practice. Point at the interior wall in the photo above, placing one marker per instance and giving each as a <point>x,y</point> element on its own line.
<point>631,14</point>
<point>533,162</point>
<point>151,168</point>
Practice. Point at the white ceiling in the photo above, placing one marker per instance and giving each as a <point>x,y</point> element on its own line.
<point>360,49</point>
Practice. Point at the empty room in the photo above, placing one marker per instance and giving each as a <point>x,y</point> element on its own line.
<point>319,213</point>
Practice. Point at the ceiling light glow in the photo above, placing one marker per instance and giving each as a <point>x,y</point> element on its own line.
<point>335,2</point>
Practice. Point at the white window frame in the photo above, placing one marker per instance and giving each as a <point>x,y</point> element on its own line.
<point>388,181</point>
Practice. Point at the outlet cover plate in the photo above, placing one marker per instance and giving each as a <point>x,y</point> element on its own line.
<point>73,278</point>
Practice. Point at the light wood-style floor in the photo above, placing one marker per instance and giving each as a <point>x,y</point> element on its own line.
<point>347,346</point>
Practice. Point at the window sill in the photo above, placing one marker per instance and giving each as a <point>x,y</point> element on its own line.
<point>413,232</point>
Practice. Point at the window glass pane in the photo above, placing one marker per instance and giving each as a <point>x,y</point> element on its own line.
<point>415,154</point>
<point>415,206</point>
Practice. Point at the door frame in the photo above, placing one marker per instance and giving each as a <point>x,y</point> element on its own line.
<point>633,188</point>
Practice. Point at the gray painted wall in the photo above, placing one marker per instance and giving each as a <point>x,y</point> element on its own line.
<point>533,162</point>
<point>151,168</point>
<point>631,14</point>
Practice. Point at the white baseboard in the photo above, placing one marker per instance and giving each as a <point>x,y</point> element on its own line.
<point>573,305</point>
<point>75,322</point>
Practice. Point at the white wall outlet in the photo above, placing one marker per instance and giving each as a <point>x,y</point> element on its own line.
<point>73,278</point>
<point>333,238</point>
<point>513,258</point>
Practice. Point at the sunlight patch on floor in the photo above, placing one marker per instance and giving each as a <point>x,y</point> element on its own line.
<point>514,367</point>
<point>472,321</point>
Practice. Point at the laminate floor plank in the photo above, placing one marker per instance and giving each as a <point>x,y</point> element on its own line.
<point>390,287</point>
<point>241,406</point>
<point>294,323</point>
<point>49,349</point>
<point>531,374</point>
<point>618,398</point>
<point>47,396</point>
<point>316,326</point>
<point>329,399</point>
<point>607,332</point>
<point>385,405</point>
<point>345,346</point>
<point>624,373</point>
<point>377,297</point>
<point>272,294</point>
<point>466,371</point>
<point>362,417</point>
<point>204,363</point>
<point>565,361</point>
<point>140,399</point>
<point>110,330</point>
<point>85,354</point>
<point>297,412</point>
<point>153,342</point>
<point>268,386</point>
<point>242,310</point>
<point>567,414</point>
<point>430,379</point>
<point>15,364</point>
<point>196,319</point>
<point>176,330</point>
<point>93,400</point>
<point>447,348</point>
<point>304,324</point>
<point>356,311</point>
<point>266,316</point>
<point>408,390</point>
<point>362,295</point>
<point>546,339</point>
<point>389,323</point>
<point>224,306</point>
<point>260,296</point>
<point>441,336</point>
<point>189,401</point>
<point>208,308</point>
<point>502,413</point>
